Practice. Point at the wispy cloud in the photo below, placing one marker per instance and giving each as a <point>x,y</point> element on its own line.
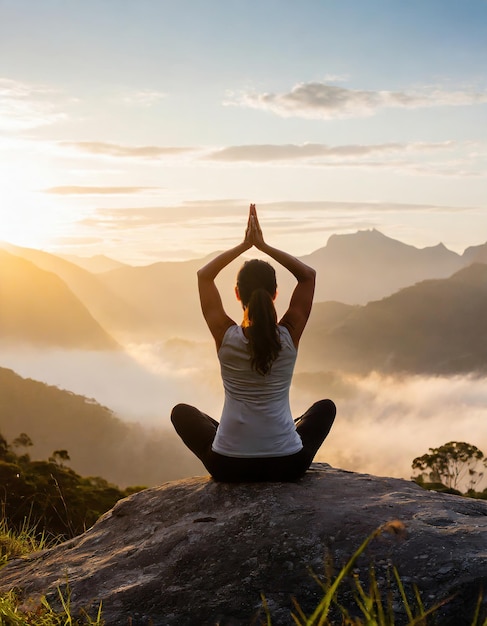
<point>432,404</point>
<point>25,106</point>
<point>320,100</point>
<point>79,190</point>
<point>279,216</point>
<point>101,148</point>
<point>144,97</point>
<point>291,152</point>
<point>460,159</point>
<point>146,234</point>
<point>433,159</point>
<point>187,215</point>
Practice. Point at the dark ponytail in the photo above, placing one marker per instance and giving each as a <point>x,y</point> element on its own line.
<point>263,336</point>
<point>257,286</point>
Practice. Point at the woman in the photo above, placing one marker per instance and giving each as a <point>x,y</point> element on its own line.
<point>257,438</point>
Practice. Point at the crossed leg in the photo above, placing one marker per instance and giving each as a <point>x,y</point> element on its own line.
<point>314,425</point>
<point>197,430</point>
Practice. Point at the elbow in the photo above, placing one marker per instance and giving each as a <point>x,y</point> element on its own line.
<point>307,276</point>
<point>203,275</point>
<point>310,275</point>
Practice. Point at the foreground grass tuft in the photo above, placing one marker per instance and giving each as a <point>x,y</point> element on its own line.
<point>14,544</point>
<point>14,613</point>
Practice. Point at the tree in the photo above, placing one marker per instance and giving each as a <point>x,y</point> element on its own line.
<point>51,496</point>
<point>22,441</point>
<point>454,464</point>
<point>4,448</point>
<point>58,456</point>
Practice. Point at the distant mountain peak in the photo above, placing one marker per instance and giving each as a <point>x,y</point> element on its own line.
<point>438,246</point>
<point>363,239</point>
<point>363,233</point>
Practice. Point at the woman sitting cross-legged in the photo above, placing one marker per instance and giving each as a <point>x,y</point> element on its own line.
<point>256,438</point>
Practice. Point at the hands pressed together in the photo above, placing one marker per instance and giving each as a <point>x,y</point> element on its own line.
<point>253,233</point>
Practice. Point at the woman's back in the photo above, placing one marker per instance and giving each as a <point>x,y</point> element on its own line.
<point>242,381</point>
<point>256,418</point>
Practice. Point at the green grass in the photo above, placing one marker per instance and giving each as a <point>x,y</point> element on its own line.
<point>14,544</point>
<point>15,613</point>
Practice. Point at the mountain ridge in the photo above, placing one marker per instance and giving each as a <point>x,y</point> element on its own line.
<point>437,326</point>
<point>36,306</point>
<point>113,313</point>
<point>97,440</point>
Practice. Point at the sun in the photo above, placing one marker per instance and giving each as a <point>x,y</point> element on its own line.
<point>28,217</point>
<point>20,221</point>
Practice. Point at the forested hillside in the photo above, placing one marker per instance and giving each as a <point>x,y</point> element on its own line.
<point>97,441</point>
<point>47,497</point>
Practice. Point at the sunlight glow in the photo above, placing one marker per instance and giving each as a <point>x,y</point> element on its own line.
<point>27,217</point>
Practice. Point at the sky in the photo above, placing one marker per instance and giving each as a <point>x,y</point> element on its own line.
<point>142,129</point>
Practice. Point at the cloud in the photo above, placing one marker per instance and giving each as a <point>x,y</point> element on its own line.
<point>79,190</point>
<point>144,97</point>
<point>176,215</point>
<point>366,207</point>
<point>320,100</point>
<point>25,106</point>
<point>459,159</point>
<point>277,214</point>
<point>101,148</point>
<point>214,223</point>
<point>383,423</point>
<point>292,152</point>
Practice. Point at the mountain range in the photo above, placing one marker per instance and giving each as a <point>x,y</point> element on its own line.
<point>367,265</point>
<point>380,304</point>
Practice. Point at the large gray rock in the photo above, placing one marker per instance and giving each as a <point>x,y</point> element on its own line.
<point>196,552</point>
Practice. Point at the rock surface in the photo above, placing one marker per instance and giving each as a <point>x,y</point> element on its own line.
<point>196,552</point>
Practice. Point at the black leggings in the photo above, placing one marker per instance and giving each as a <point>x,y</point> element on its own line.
<point>198,430</point>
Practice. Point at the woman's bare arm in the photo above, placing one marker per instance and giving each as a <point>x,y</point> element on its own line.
<point>297,314</point>
<point>211,304</point>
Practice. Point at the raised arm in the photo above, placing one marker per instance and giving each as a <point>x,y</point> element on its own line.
<point>297,314</point>
<point>211,304</point>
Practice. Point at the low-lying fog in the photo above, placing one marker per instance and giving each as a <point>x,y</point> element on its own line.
<point>382,422</point>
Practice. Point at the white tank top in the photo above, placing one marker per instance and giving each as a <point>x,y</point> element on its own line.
<point>256,420</point>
